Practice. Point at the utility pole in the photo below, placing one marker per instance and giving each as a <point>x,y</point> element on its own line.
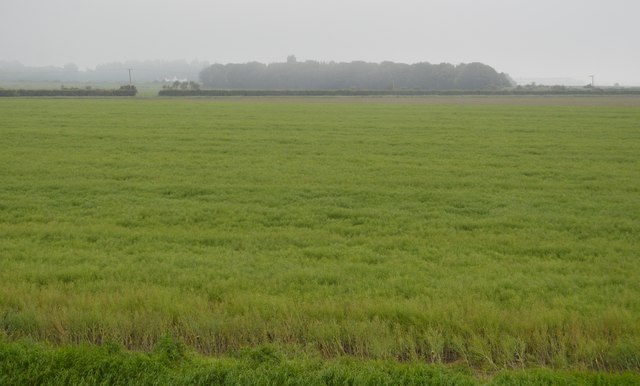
<point>130,76</point>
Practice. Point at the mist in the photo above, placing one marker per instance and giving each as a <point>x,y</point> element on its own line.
<point>530,40</point>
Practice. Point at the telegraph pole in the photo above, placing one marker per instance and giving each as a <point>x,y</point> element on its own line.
<point>130,76</point>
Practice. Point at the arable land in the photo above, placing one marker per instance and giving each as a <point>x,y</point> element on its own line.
<point>436,240</point>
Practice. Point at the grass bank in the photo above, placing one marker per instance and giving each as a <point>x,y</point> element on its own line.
<point>29,364</point>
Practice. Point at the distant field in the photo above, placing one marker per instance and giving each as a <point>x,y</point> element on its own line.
<point>483,233</point>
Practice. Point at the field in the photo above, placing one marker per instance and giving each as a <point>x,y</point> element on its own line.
<point>450,239</point>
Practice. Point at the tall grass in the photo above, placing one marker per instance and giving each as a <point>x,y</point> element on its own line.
<point>495,237</point>
<point>28,363</point>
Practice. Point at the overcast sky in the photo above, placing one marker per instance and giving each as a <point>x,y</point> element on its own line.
<point>524,38</point>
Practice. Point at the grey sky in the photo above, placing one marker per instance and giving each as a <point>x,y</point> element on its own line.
<point>525,38</point>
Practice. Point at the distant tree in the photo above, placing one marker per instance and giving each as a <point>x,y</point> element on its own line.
<point>70,67</point>
<point>311,75</point>
<point>478,76</point>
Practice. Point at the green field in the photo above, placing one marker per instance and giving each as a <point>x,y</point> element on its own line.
<point>359,236</point>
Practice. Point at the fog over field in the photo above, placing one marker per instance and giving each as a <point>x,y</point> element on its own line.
<point>530,40</point>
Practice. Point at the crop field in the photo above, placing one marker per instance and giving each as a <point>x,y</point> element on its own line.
<point>425,239</point>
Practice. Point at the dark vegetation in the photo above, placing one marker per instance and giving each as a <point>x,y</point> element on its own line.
<point>126,90</point>
<point>169,364</point>
<point>182,86</point>
<point>358,75</point>
<point>553,90</point>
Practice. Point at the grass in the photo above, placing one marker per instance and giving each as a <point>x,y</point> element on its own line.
<point>29,363</point>
<point>489,236</point>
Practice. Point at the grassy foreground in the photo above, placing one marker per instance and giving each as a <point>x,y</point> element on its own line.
<point>485,236</point>
<point>169,364</point>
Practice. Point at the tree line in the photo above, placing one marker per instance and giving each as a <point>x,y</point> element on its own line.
<point>359,75</point>
<point>146,71</point>
<point>169,92</point>
<point>70,92</point>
